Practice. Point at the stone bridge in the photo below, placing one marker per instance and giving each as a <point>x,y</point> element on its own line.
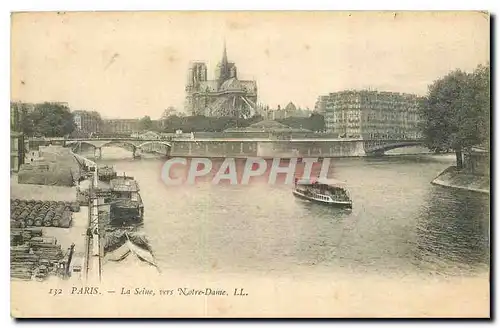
<point>154,145</point>
<point>246,147</point>
<point>305,147</point>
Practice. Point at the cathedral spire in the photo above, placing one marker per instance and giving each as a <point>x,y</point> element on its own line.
<point>224,56</point>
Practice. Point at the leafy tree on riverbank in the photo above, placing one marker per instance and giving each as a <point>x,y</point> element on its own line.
<point>456,111</point>
<point>200,123</point>
<point>49,120</point>
<point>315,122</point>
<point>145,123</point>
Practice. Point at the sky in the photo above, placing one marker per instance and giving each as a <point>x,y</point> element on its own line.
<point>131,64</point>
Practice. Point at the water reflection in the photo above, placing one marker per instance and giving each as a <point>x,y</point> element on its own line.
<point>452,232</point>
<point>399,222</point>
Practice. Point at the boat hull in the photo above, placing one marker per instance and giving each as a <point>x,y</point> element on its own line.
<point>317,201</point>
<point>126,215</point>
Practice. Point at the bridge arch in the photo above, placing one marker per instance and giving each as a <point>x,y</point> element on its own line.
<point>93,143</point>
<point>165,146</point>
<point>129,144</point>
<point>379,148</point>
<point>125,144</point>
<point>161,142</point>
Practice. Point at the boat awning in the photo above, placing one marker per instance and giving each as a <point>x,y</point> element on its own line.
<point>125,203</point>
<point>323,181</point>
<point>121,184</point>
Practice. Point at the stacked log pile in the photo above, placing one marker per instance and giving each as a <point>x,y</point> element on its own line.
<point>32,253</point>
<point>46,247</point>
<point>29,213</point>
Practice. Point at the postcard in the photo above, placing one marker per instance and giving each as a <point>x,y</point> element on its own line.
<point>260,164</point>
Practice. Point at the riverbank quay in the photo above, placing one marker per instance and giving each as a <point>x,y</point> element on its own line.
<point>84,234</point>
<point>65,244</point>
<point>451,177</point>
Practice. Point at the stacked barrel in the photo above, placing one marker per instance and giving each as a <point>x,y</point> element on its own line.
<point>37,213</point>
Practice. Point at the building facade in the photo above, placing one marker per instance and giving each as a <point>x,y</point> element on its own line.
<point>290,110</point>
<point>87,122</point>
<point>17,150</point>
<point>225,95</point>
<point>320,106</point>
<point>371,114</point>
<point>120,126</point>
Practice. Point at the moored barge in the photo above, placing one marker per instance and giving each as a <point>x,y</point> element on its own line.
<point>126,206</point>
<point>106,173</point>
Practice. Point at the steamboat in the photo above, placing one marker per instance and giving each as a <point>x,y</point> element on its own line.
<point>323,191</point>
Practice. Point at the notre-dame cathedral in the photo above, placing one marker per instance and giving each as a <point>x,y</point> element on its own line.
<point>223,96</point>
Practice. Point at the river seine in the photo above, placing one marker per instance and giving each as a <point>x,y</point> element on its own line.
<point>399,223</point>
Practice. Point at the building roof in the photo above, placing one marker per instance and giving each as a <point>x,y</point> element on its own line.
<point>124,184</point>
<point>290,107</point>
<point>249,85</point>
<point>323,181</point>
<point>232,84</point>
<point>208,86</point>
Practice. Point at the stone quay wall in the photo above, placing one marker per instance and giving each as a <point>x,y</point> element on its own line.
<point>267,148</point>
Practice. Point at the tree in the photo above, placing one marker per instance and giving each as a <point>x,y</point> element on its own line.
<point>315,122</point>
<point>200,123</point>
<point>456,111</point>
<point>98,120</point>
<point>145,123</point>
<point>50,120</point>
<point>170,111</point>
<point>481,86</point>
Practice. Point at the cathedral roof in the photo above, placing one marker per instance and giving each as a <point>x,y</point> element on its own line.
<point>232,84</point>
<point>210,86</point>
<point>249,85</point>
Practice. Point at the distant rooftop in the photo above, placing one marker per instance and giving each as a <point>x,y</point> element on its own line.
<point>372,91</point>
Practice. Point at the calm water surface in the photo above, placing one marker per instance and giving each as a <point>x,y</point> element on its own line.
<point>400,223</point>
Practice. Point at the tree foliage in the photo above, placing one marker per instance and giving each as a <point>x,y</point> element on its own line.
<point>49,120</point>
<point>170,111</point>
<point>97,116</point>
<point>21,120</point>
<point>456,111</point>
<point>145,123</point>
<point>315,122</point>
<point>200,123</point>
